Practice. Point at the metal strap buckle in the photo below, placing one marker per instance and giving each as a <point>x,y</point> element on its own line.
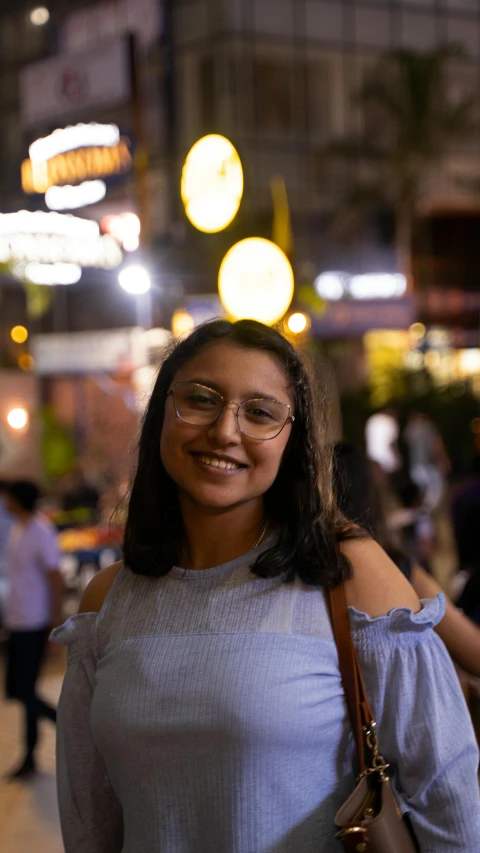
<point>350,831</point>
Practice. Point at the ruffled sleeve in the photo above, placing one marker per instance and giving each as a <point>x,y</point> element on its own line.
<point>424,726</point>
<point>90,814</point>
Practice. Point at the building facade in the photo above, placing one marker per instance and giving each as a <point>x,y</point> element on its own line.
<point>279,78</point>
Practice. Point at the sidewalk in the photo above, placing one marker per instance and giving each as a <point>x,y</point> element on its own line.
<point>28,812</point>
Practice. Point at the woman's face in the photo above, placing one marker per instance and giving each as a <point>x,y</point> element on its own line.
<point>238,374</point>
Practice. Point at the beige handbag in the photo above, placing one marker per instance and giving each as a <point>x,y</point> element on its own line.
<point>370,820</point>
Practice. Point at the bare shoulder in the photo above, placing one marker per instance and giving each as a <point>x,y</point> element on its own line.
<point>376,585</point>
<point>98,588</point>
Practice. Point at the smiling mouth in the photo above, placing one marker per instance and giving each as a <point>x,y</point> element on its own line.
<point>219,464</point>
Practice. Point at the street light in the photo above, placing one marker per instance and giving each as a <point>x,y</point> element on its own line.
<point>39,16</point>
<point>256,281</point>
<point>212,183</point>
<point>135,279</point>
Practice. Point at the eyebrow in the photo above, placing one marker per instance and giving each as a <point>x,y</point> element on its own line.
<point>253,395</point>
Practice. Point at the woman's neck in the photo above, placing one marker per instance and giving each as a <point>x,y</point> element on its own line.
<point>213,538</point>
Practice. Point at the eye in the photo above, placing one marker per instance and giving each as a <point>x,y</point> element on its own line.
<point>259,413</point>
<point>199,399</point>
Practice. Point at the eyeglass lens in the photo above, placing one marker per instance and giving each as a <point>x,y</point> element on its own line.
<point>200,406</point>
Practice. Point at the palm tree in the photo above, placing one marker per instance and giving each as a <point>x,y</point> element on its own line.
<point>418,121</point>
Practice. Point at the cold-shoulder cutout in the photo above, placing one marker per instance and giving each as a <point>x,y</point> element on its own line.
<point>98,589</point>
<point>377,586</point>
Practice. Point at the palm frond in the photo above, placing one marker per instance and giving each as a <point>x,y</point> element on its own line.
<point>358,202</point>
<point>379,93</point>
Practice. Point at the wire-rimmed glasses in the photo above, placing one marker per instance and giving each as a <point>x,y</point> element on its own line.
<point>260,418</point>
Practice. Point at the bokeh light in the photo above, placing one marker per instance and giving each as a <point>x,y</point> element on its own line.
<point>256,281</point>
<point>418,331</point>
<point>182,323</point>
<point>298,323</point>
<point>19,334</point>
<point>26,361</point>
<point>39,16</point>
<point>135,279</point>
<point>17,418</point>
<point>212,183</point>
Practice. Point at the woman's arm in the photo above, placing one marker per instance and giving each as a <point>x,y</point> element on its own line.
<point>90,814</point>
<point>377,585</point>
<point>460,635</point>
<point>424,727</point>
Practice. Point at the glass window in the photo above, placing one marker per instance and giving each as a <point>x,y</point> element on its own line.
<point>319,106</point>
<point>13,137</point>
<point>372,27</point>
<point>274,16</point>
<point>418,31</point>
<point>460,31</point>
<point>207,94</point>
<point>273,87</point>
<point>324,20</point>
<point>8,37</point>
<point>462,5</point>
<point>8,87</point>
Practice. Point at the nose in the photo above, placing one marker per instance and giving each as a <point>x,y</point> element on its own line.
<point>225,430</point>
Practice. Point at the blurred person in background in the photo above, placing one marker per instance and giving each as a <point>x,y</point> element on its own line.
<point>82,498</point>
<point>361,502</point>
<point>413,525</point>
<point>33,606</point>
<point>5,517</point>
<point>6,521</point>
<point>466,521</point>
<point>203,707</point>
<point>428,460</point>
<point>382,431</point>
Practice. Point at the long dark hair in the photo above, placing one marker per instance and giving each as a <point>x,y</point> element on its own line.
<point>300,504</point>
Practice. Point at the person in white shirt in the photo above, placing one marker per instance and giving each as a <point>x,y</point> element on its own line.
<point>32,607</point>
<point>5,525</point>
<point>428,459</point>
<point>381,437</point>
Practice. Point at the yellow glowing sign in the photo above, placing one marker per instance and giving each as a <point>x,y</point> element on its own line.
<point>212,183</point>
<point>75,166</point>
<point>256,281</point>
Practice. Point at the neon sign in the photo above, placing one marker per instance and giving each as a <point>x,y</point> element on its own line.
<point>72,137</point>
<point>53,238</point>
<point>75,166</point>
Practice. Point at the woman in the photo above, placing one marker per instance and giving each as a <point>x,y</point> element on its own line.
<point>360,500</point>
<point>203,711</point>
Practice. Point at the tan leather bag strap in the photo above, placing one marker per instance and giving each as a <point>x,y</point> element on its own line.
<point>358,707</point>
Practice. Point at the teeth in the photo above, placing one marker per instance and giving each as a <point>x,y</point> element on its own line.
<point>218,463</point>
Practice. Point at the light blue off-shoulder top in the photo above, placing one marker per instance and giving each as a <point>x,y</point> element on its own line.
<point>203,712</point>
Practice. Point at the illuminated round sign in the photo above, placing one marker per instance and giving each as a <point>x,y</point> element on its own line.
<point>212,183</point>
<point>256,281</point>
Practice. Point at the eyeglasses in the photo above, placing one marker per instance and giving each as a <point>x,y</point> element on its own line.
<point>260,418</point>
